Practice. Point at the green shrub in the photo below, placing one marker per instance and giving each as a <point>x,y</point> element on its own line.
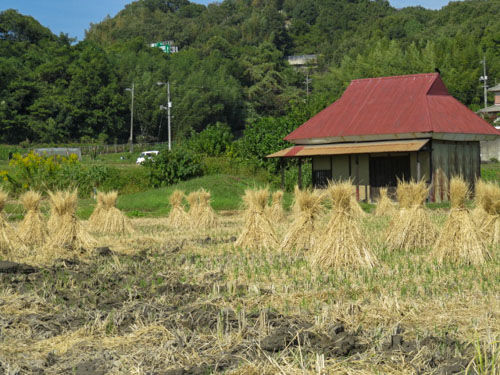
<point>214,140</point>
<point>170,167</point>
<point>43,173</point>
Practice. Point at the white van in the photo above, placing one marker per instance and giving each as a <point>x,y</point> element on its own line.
<point>146,155</point>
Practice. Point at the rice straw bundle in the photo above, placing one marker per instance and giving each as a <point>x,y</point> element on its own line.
<point>97,217</point>
<point>7,235</point>
<point>385,206</point>
<point>178,217</point>
<point>356,209</point>
<point>275,211</point>
<point>32,230</point>
<point>115,221</point>
<point>343,243</point>
<point>258,231</point>
<point>489,217</point>
<point>207,217</point>
<point>193,199</point>
<point>69,233</point>
<point>108,219</point>
<point>53,224</point>
<point>412,228</point>
<point>302,233</point>
<point>460,240</point>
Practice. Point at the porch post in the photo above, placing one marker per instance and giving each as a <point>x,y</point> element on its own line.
<point>419,176</point>
<point>357,177</point>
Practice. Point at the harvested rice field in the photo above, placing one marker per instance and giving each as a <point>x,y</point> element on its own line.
<point>166,301</point>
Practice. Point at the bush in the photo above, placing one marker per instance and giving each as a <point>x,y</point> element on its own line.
<point>171,167</point>
<point>43,173</point>
<point>214,140</point>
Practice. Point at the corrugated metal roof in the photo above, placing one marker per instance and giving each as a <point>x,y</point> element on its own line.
<point>351,148</point>
<point>495,88</point>
<point>417,103</point>
<point>492,108</point>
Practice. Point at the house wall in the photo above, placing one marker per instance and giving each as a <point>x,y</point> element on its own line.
<point>423,158</point>
<point>450,159</point>
<point>344,167</point>
<point>490,150</point>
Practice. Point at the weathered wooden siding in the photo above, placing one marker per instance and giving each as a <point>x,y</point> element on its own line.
<point>423,158</point>
<point>451,159</point>
<point>448,159</point>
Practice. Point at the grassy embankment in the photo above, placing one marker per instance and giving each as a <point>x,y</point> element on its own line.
<point>226,185</point>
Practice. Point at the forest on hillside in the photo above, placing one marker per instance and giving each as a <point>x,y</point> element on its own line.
<point>231,67</point>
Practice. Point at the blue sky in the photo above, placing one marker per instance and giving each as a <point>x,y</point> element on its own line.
<point>74,16</point>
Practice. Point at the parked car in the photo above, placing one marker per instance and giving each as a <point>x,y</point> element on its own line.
<point>146,155</point>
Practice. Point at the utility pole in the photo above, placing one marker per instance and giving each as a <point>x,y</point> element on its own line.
<point>307,82</point>
<point>168,107</point>
<point>484,79</point>
<point>132,90</point>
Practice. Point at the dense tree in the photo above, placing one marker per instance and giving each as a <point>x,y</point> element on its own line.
<point>231,67</point>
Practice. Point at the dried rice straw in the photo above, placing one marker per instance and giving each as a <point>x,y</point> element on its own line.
<point>275,210</point>
<point>8,238</point>
<point>356,209</point>
<point>178,217</point>
<point>258,231</point>
<point>343,244</point>
<point>412,228</point>
<point>115,221</point>
<point>193,199</point>
<point>307,208</point>
<point>69,234</point>
<point>460,240</point>
<point>98,215</point>
<point>108,219</point>
<point>487,212</point>
<point>207,218</point>
<point>385,206</point>
<point>32,231</point>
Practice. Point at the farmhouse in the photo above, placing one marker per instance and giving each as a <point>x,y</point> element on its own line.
<point>389,128</point>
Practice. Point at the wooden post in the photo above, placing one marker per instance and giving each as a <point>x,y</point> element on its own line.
<point>300,173</point>
<point>357,177</point>
<point>282,166</point>
<point>419,176</point>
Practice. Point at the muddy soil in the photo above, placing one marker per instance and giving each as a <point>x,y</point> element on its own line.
<point>136,293</point>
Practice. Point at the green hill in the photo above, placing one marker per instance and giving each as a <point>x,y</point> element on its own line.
<point>231,65</point>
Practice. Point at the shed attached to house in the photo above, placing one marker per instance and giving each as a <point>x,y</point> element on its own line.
<point>390,128</point>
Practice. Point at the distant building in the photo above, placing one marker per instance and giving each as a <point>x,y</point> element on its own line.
<point>493,110</point>
<point>301,61</point>
<point>166,46</point>
<point>491,149</point>
<point>60,151</point>
<point>390,128</point>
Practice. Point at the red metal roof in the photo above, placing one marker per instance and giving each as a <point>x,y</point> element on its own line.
<point>418,103</point>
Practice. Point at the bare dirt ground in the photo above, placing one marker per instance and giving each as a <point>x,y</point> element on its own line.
<point>188,302</point>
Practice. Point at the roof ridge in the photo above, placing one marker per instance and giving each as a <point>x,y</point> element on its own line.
<point>397,77</point>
